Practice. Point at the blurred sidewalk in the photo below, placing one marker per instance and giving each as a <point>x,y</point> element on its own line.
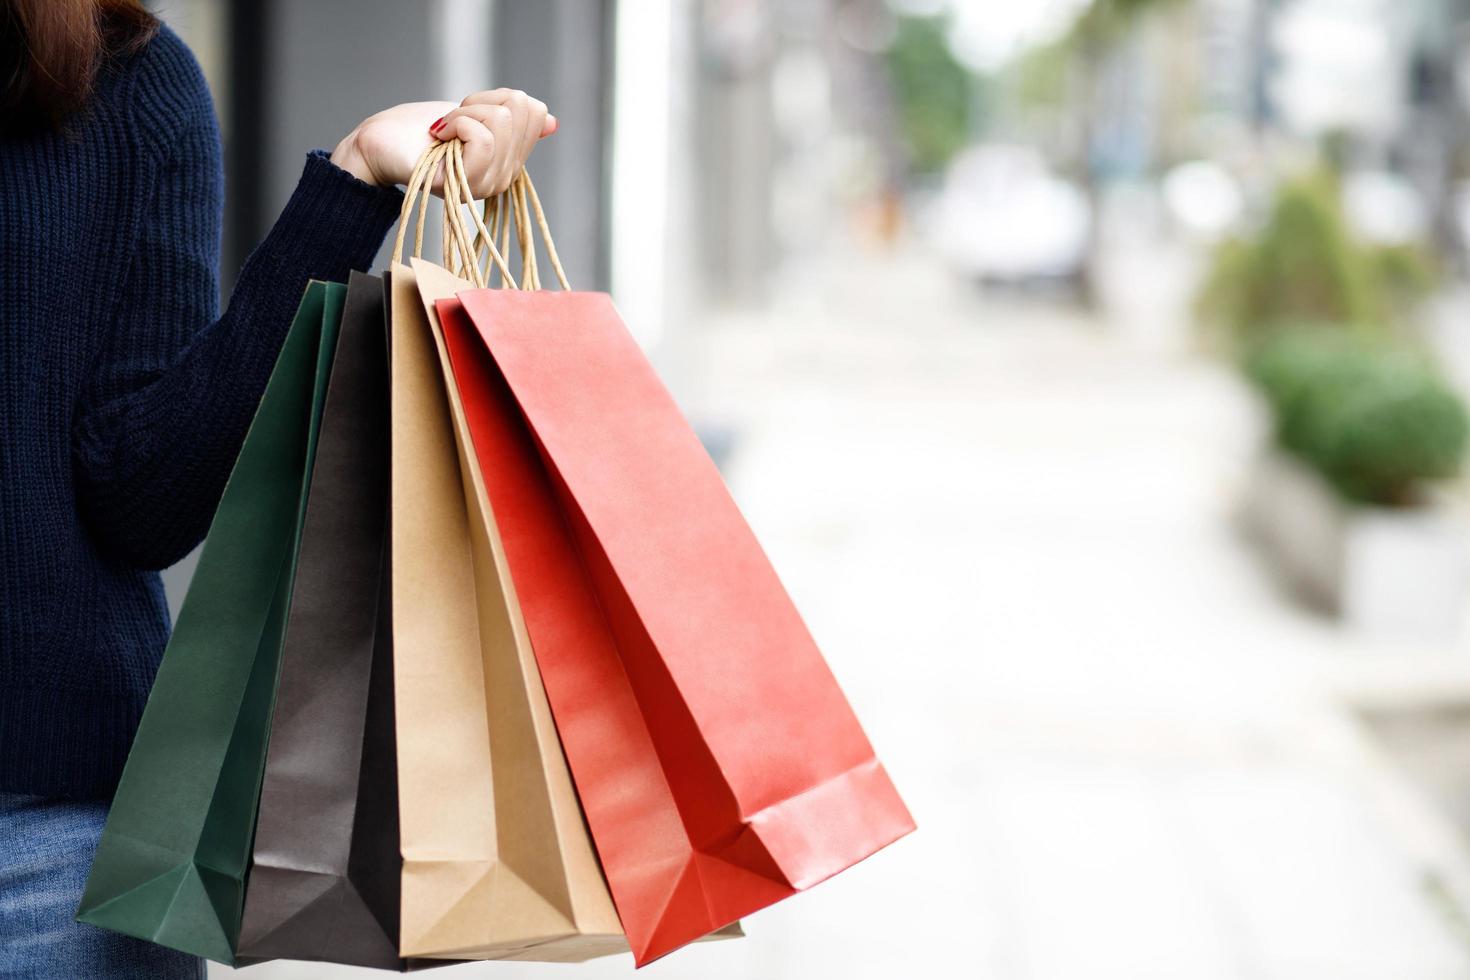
<point>1011,533</point>
<point>1011,536</point>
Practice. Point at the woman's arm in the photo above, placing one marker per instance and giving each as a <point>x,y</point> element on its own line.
<point>169,402</point>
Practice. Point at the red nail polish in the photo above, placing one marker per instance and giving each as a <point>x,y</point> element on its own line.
<point>438,123</point>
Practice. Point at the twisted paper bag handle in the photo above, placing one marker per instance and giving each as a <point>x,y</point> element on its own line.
<point>462,250</point>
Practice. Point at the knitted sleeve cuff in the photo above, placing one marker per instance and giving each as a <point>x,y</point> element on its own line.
<point>333,222</point>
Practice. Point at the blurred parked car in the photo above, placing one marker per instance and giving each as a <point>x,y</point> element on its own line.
<point>1004,217</point>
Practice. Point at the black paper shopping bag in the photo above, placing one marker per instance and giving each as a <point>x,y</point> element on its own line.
<point>325,882</point>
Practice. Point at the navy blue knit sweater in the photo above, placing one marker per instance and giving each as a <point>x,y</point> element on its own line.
<point>125,396</point>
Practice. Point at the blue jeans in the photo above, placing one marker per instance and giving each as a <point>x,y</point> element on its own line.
<point>45,850</point>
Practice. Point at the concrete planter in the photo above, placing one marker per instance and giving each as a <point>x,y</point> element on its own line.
<point>1396,572</point>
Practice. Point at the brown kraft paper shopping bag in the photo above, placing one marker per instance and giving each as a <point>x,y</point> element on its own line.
<point>497,860</point>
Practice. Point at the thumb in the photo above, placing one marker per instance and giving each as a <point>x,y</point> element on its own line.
<point>550,126</point>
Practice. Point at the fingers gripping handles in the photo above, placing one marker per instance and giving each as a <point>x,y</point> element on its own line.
<point>484,238</point>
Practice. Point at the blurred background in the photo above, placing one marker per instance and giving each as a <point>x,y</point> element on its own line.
<point>1093,372</point>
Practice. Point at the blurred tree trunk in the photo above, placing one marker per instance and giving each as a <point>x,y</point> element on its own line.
<point>1091,54</point>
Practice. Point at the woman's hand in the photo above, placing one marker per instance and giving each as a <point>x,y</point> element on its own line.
<point>499,128</point>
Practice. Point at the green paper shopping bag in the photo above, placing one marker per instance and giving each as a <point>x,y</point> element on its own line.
<point>172,860</point>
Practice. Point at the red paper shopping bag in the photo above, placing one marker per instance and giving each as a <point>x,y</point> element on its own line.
<point>718,763</point>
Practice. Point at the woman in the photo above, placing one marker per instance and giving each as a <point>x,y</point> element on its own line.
<point>124,397</point>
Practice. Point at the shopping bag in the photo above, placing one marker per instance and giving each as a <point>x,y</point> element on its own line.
<point>719,765</point>
<point>497,860</point>
<point>171,864</point>
<point>325,875</point>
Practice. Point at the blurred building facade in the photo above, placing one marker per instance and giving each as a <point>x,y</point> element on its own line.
<point>288,77</point>
<point>664,181</point>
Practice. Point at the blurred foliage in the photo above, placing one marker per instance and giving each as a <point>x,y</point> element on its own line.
<point>1044,73</point>
<point>1104,21</point>
<point>1404,273</point>
<point>1372,417</point>
<point>1303,265</point>
<point>934,92</point>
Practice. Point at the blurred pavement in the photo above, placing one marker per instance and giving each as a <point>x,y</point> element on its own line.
<point>1009,530</point>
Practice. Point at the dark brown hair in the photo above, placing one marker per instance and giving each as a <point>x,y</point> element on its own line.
<point>51,50</point>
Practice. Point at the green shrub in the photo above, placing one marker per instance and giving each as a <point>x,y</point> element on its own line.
<point>1303,265</point>
<point>1374,419</point>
